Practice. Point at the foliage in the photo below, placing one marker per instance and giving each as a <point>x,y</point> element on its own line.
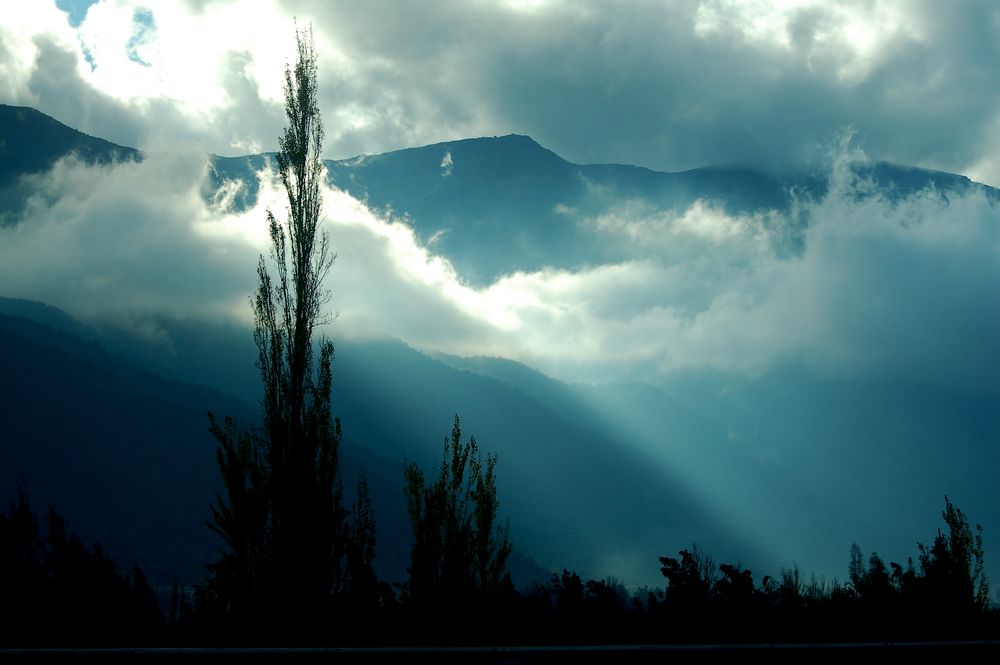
<point>952,566</point>
<point>585,610</point>
<point>282,515</point>
<point>459,554</point>
<point>691,578</point>
<point>58,592</point>
<point>946,597</point>
<point>364,594</point>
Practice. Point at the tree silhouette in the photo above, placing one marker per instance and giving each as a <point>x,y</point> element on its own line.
<point>952,567</point>
<point>459,555</point>
<point>874,585</point>
<point>282,513</point>
<point>691,579</point>
<point>735,586</point>
<point>58,592</point>
<point>362,592</point>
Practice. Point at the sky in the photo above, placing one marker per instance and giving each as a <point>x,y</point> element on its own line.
<point>667,85</point>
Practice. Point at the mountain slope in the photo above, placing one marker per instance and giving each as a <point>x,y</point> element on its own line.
<point>123,454</point>
<point>496,205</point>
<point>490,205</point>
<point>32,142</point>
<point>126,455</point>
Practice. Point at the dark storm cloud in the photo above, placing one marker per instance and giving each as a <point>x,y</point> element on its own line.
<point>663,86</point>
<point>666,85</point>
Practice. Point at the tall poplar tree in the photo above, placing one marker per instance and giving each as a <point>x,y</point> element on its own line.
<point>282,514</point>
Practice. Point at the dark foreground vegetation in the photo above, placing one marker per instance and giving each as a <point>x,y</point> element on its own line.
<point>59,593</point>
<point>295,566</point>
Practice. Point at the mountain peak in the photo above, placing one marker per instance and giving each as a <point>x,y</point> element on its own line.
<point>508,148</point>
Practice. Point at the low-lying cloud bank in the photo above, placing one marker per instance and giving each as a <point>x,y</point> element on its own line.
<point>901,290</point>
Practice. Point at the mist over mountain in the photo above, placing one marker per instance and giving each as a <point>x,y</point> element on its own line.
<point>773,367</point>
<point>32,142</point>
<point>497,205</point>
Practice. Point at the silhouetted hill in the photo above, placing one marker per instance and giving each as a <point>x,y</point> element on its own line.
<point>47,315</point>
<point>32,142</point>
<point>468,195</point>
<point>495,205</point>
<point>501,204</point>
<point>125,453</point>
<point>554,469</point>
<point>558,459</point>
<point>490,205</point>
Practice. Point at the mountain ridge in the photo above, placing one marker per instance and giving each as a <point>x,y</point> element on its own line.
<point>67,139</point>
<point>32,141</point>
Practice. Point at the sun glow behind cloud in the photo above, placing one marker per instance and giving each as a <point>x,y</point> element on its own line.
<point>850,39</point>
<point>177,56</point>
<point>160,63</point>
<point>710,82</point>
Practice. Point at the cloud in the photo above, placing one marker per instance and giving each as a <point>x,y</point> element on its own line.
<point>881,289</point>
<point>668,86</point>
<point>168,76</point>
<point>904,289</point>
<point>121,243</point>
<point>847,41</point>
<point>131,242</point>
<point>447,164</point>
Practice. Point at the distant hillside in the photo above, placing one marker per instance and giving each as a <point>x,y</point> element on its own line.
<point>126,455</point>
<point>32,142</point>
<point>490,205</point>
<point>496,205</point>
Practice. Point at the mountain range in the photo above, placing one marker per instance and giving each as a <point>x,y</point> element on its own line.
<point>778,468</point>
<point>502,204</point>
